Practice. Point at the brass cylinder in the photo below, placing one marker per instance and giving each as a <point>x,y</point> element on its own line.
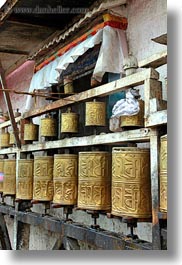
<point>25,179</point>
<point>11,138</point>
<point>65,179</point>
<point>163,174</point>
<point>134,120</point>
<point>131,192</point>
<point>9,184</point>
<point>69,122</point>
<point>48,127</point>
<point>1,174</point>
<point>94,181</point>
<point>43,178</point>
<point>95,114</point>
<point>4,139</point>
<point>68,85</point>
<point>31,132</point>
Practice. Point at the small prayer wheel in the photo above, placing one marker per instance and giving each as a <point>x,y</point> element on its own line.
<point>131,190</point>
<point>11,138</point>
<point>43,178</point>
<point>48,127</point>
<point>65,179</point>
<point>4,139</point>
<point>68,85</point>
<point>163,174</point>
<point>134,120</point>
<point>25,179</point>
<point>94,181</point>
<point>31,132</point>
<point>95,114</point>
<point>69,122</point>
<point>9,183</point>
<point>1,174</point>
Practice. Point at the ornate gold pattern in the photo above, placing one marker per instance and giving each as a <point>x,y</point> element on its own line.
<point>135,120</point>
<point>1,172</point>
<point>95,114</point>
<point>31,132</point>
<point>69,123</point>
<point>25,179</point>
<point>131,192</point>
<point>163,174</point>
<point>48,127</point>
<point>65,179</point>
<point>43,178</point>
<point>9,184</point>
<point>94,188</point>
<point>4,139</point>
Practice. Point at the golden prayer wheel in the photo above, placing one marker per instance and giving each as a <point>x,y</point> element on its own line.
<point>1,174</point>
<point>25,179</point>
<point>94,181</point>
<point>31,132</point>
<point>9,183</point>
<point>95,114</point>
<point>131,191</point>
<point>65,179</point>
<point>134,120</point>
<point>163,174</point>
<point>48,127</point>
<point>43,178</point>
<point>11,138</point>
<point>68,85</point>
<point>4,139</point>
<point>69,122</point>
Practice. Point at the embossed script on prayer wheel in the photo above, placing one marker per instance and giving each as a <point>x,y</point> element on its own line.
<point>94,181</point>
<point>31,132</point>
<point>4,139</point>
<point>9,184</point>
<point>48,127</point>
<point>69,122</point>
<point>131,194</point>
<point>95,114</point>
<point>1,175</point>
<point>65,179</point>
<point>25,179</point>
<point>135,120</point>
<point>43,178</point>
<point>163,174</point>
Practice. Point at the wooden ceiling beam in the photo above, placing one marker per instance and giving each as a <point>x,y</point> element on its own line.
<point>13,51</point>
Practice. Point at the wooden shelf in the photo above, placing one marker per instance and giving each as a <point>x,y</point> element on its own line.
<point>8,123</point>
<point>100,91</point>
<point>154,61</point>
<point>157,118</point>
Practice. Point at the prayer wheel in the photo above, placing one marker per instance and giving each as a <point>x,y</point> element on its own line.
<point>94,181</point>
<point>43,178</point>
<point>69,122</point>
<point>131,192</point>
<point>68,85</point>
<point>1,175</point>
<point>65,179</point>
<point>9,183</point>
<point>25,179</point>
<point>95,114</point>
<point>11,138</point>
<point>134,120</point>
<point>4,139</point>
<point>48,127</point>
<point>31,132</point>
<point>163,174</point>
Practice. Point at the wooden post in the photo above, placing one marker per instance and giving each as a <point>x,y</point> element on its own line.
<point>9,106</point>
<point>4,236</point>
<point>154,167</point>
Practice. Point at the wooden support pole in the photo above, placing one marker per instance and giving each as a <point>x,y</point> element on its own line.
<point>4,236</point>
<point>9,106</point>
<point>154,161</point>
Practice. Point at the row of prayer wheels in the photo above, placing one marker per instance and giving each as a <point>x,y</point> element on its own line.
<point>89,180</point>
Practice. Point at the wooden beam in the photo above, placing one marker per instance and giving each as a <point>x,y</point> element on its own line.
<point>9,106</point>
<point>7,9</point>
<point>154,61</point>
<point>4,236</point>
<point>100,91</point>
<point>12,51</point>
<point>156,119</point>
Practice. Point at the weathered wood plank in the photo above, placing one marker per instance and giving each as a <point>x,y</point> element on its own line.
<point>154,172</point>
<point>8,123</point>
<point>100,91</point>
<point>157,105</point>
<point>13,51</point>
<point>156,119</point>
<point>154,61</point>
